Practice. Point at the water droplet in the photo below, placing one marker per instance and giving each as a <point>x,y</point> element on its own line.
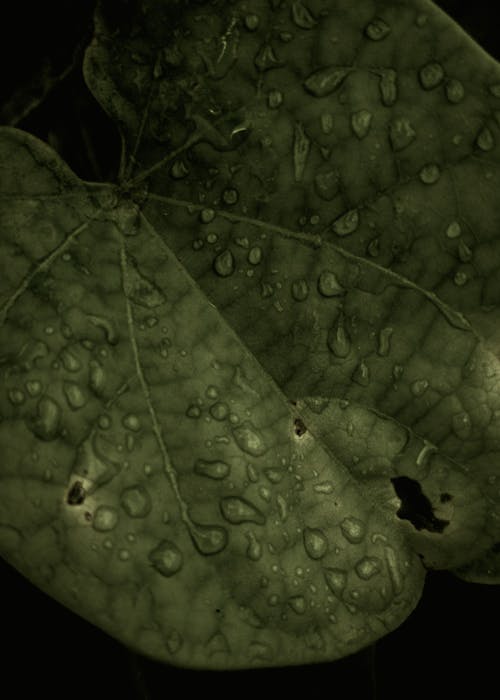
<point>105,518</point>
<point>16,397</point>
<point>460,278</point>
<point>454,230</point>
<point>70,361</point>
<point>251,22</point>
<point>297,604</point>
<point>219,410</point>
<point>326,184</point>
<point>74,395</point>
<point>224,263</point>
<point>397,372</point>
<point>208,539</point>
<point>315,542</point>
<point>461,425</point>
<point>367,567</point>
<point>179,170</point>
<point>361,374</point>
<point>346,223</point>
<point>430,174</point>
<point>302,16</point>
<point>388,87</point>
<point>136,501</point>
<point>174,642</point>
<point>238,510</point>
<point>266,58</point>
<point>338,339</point>
<point>326,80</point>
<point>193,411</point>
<point>419,387</point>
<point>485,140</point>
<point>140,290</point>
<point>282,507</point>
<point>265,493</point>
<point>34,387</point>
<point>328,284</point>
<point>384,341</point>
<point>393,568</point>
<point>254,255</point>
<point>401,133</point>
<point>431,75</point>
<point>373,248</point>
<point>274,99</point>
<point>248,439</point>
<point>123,554</point>
<point>131,422</point>
<point>361,122</point>
<point>326,120</point>
<point>254,549</point>
<point>45,424</point>
<point>301,147</point>
<point>215,469</point>
<point>324,487</point>
<point>300,290</point>
<point>377,29</point>
<point>336,580</point>
<point>454,91</point>
<point>207,215</point>
<point>230,196</point>
<point>353,529</point>
<point>218,644</point>
<point>166,558</point>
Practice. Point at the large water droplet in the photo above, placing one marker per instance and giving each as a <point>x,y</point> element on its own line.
<point>336,580</point>
<point>328,284</point>
<point>454,91</point>
<point>105,519</point>
<point>166,558</point>
<point>238,510</point>
<point>353,529</point>
<point>301,16</point>
<point>367,567</point>
<point>393,568</point>
<point>219,410</point>
<point>326,80</point>
<point>136,501</point>
<point>224,263</point>
<point>377,29</point>
<point>338,339</point>
<point>249,440</point>
<point>45,424</point>
<point>431,75</point>
<point>208,539</point>
<point>361,122</point>
<point>215,469</point>
<point>401,133</point>
<point>315,542</point>
<point>131,422</point>
<point>346,223</point>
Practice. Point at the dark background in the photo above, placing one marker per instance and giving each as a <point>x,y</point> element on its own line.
<point>448,646</point>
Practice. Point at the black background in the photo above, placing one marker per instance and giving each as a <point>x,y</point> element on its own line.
<point>449,645</point>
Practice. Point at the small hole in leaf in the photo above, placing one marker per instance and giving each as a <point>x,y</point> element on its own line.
<point>299,427</point>
<point>76,494</point>
<point>415,506</point>
<point>445,497</point>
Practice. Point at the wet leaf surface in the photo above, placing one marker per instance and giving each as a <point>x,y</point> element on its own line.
<point>255,381</point>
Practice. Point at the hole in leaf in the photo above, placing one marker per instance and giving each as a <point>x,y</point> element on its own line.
<point>445,497</point>
<point>76,494</point>
<point>299,427</point>
<point>415,506</point>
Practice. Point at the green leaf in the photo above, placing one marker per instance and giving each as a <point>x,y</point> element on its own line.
<point>249,393</point>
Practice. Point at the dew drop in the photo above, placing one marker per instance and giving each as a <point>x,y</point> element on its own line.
<point>70,361</point>
<point>207,215</point>
<point>315,542</point>
<point>254,549</point>
<point>74,395</point>
<point>297,604</point>
<point>324,487</point>
<point>464,252</point>
<point>361,374</point>
<point>384,341</point>
<point>301,16</point>
<point>131,422</point>
<point>166,558</point>
<point>219,410</point>
<point>105,519</point>
<point>326,121</point>
<point>179,170</point>
<point>336,580</point>
<point>249,440</point>
<point>401,133</point>
<point>353,529</point>
<point>419,387</point>
<point>431,75</point>
<point>454,91</point>
<point>140,290</point>
<point>460,278</point>
<point>45,424</point>
<point>254,256</point>
<point>224,263</point>
<point>301,147</point>
<point>193,411</point>
<point>208,539</point>
<point>230,196</point>
<point>367,567</point>
<point>274,99</point>
<point>16,397</point>
<point>338,340</point>
<point>393,568</point>
<point>266,59</point>
<point>326,80</point>
<point>251,22</point>
<point>34,387</point>
<point>215,469</point>
<point>300,290</point>
<point>346,223</point>
<point>377,29</point>
<point>454,230</point>
<point>430,174</point>
<point>361,122</point>
<point>485,140</point>
<point>328,285</point>
<point>239,510</point>
<point>388,87</point>
<point>136,501</point>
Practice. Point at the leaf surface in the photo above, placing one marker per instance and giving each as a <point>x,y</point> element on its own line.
<point>252,389</point>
